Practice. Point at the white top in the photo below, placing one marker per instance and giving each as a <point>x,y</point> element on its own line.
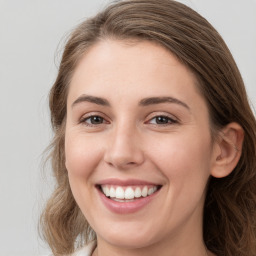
<point>86,250</point>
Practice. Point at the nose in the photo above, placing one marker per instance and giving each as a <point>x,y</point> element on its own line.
<point>124,149</point>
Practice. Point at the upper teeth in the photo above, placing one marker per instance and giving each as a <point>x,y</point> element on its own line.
<point>127,192</point>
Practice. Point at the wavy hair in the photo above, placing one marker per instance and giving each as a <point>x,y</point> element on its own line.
<point>230,206</point>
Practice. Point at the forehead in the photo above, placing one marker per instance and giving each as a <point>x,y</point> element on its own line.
<point>137,69</point>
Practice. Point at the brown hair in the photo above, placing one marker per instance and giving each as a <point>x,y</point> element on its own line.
<point>230,207</point>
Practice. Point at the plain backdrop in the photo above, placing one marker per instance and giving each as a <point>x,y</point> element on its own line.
<point>31,36</point>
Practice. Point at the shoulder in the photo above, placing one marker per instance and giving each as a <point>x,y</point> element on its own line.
<point>86,250</point>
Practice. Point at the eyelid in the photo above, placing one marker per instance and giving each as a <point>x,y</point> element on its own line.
<point>153,115</point>
<point>91,114</point>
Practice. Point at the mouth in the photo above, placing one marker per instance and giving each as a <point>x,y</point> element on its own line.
<point>127,196</point>
<point>130,193</point>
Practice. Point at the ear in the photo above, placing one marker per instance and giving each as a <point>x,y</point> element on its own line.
<point>227,150</point>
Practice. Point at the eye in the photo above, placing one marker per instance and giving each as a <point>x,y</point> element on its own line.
<point>162,120</point>
<point>93,120</point>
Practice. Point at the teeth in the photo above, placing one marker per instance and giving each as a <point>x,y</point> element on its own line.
<point>129,193</point>
<point>150,191</point>
<point>137,192</point>
<point>112,192</point>
<point>107,193</point>
<point>144,192</point>
<point>119,193</point>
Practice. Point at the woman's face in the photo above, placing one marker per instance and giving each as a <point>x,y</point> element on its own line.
<point>137,128</point>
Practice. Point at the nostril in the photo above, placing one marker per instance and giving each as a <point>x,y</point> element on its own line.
<point>121,162</point>
<point>131,163</point>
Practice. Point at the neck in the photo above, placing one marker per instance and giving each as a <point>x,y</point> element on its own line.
<point>128,252</point>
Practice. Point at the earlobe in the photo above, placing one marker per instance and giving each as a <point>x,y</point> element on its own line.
<point>229,144</point>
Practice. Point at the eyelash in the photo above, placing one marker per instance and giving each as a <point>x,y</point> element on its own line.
<point>85,120</point>
<point>170,121</point>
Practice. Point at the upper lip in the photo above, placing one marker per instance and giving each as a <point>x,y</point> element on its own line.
<point>114,181</point>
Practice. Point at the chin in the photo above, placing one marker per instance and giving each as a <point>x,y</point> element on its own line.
<point>130,238</point>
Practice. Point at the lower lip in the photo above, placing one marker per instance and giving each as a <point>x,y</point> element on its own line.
<point>126,207</point>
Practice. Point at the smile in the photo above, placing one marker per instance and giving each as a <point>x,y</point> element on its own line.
<point>126,197</point>
<point>127,193</point>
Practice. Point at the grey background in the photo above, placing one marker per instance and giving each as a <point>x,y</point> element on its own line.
<point>30,32</point>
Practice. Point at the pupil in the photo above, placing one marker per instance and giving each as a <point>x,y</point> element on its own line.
<point>96,120</point>
<point>162,120</point>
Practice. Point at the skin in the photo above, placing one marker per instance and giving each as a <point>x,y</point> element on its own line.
<point>129,143</point>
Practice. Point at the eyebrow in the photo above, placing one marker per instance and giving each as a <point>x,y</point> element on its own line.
<point>91,99</point>
<point>143,102</point>
<point>159,100</point>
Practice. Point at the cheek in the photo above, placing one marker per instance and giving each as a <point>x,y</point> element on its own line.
<point>185,164</point>
<point>82,158</point>
<point>184,159</point>
<point>82,155</point>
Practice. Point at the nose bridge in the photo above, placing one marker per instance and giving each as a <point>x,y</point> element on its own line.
<point>124,149</point>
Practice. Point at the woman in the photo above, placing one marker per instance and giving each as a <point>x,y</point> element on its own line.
<point>154,147</point>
